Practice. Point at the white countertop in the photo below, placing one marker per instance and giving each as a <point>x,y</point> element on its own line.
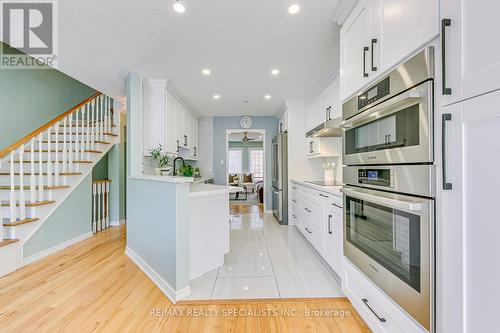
<point>335,190</point>
<point>200,189</point>
<point>166,179</point>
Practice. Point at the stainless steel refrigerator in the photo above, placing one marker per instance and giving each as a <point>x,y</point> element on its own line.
<point>280,177</point>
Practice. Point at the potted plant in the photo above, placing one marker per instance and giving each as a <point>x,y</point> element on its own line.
<point>162,158</point>
<point>187,170</point>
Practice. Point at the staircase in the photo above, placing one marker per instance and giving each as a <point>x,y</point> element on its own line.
<point>39,172</point>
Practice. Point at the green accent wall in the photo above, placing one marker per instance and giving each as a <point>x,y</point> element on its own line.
<point>100,170</point>
<point>71,219</point>
<point>36,96</point>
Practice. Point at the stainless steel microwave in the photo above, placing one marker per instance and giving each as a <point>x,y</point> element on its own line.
<point>391,122</point>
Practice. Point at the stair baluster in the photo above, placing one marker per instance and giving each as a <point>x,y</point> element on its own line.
<point>101,116</point>
<point>106,200</point>
<point>22,198</point>
<point>105,116</point>
<point>92,133</point>
<point>56,160</point>
<point>94,208</point>
<point>40,168</point>
<point>80,135</point>
<point>65,148</point>
<point>12,201</point>
<point>49,161</point>
<point>87,135</point>
<point>99,212</point>
<point>70,146</point>
<point>1,213</point>
<point>32,171</point>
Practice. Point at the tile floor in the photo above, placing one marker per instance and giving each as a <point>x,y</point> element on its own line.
<point>266,260</point>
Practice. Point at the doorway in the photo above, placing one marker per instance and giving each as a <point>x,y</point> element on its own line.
<point>246,166</point>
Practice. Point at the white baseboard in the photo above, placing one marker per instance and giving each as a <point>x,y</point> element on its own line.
<point>54,249</point>
<point>117,223</point>
<point>173,296</point>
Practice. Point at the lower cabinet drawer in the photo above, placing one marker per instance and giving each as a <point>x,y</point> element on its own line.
<point>314,235</point>
<point>378,311</point>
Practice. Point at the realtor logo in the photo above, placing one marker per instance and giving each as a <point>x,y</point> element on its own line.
<point>29,27</point>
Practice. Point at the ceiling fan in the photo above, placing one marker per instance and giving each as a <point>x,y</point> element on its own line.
<point>246,138</point>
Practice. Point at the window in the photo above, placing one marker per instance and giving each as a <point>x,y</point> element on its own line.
<point>235,161</point>
<point>256,161</point>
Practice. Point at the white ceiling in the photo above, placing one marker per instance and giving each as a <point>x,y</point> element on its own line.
<point>239,40</point>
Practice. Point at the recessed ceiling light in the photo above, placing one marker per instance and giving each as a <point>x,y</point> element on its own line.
<point>206,71</point>
<point>179,7</point>
<point>267,97</point>
<point>216,96</point>
<point>275,71</point>
<point>294,9</point>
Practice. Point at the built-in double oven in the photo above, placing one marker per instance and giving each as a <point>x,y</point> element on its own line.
<point>389,192</point>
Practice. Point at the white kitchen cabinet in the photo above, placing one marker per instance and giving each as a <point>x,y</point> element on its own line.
<point>195,147</point>
<point>405,26</point>
<point>313,146</point>
<point>179,124</point>
<point>323,147</point>
<point>170,135</point>
<point>334,254</point>
<point>188,129</point>
<point>467,281</point>
<point>354,51</point>
<point>154,120</point>
<point>471,55</point>
<point>379,34</point>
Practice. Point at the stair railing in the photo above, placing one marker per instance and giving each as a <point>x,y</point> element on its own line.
<point>53,152</point>
<point>100,205</point>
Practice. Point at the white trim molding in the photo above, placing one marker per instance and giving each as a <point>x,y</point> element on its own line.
<point>117,223</point>
<point>56,248</point>
<point>172,295</point>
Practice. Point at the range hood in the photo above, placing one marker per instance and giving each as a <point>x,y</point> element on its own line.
<point>329,128</point>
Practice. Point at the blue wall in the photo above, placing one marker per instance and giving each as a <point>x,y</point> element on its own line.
<point>71,219</point>
<point>36,96</point>
<point>221,124</point>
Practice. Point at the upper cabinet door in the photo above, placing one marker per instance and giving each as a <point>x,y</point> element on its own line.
<point>354,49</point>
<point>471,55</point>
<point>405,26</point>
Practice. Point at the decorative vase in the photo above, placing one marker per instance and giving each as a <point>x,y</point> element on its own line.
<point>158,171</point>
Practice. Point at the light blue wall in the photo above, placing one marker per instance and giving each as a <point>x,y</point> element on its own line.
<point>71,219</point>
<point>36,97</point>
<point>221,124</point>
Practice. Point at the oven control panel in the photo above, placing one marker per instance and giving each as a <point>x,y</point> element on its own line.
<point>378,177</point>
<point>380,90</point>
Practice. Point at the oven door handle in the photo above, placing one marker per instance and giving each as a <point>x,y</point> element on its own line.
<point>412,94</point>
<point>400,204</point>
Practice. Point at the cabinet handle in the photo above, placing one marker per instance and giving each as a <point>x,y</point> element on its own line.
<point>185,140</point>
<point>374,41</point>
<point>330,224</point>
<point>444,23</point>
<point>307,210</point>
<point>337,206</point>
<point>308,230</point>
<point>194,148</point>
<point>294,187</point>
<point>311,150</point>
<point>293,215</point>
<point>365,49</point>
<point>178,146</point>
<point>294,200</point>
<point>382,320</point>
<point>322,195</point>
<point>446,117</point>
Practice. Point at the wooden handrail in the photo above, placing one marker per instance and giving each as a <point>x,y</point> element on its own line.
<point>101,181</point>
<point>46,126</point>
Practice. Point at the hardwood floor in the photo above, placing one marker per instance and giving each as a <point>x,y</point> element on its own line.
<point>93,287</point>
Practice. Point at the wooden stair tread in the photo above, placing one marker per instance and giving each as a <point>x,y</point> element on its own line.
<point>6,203</point>
<point>61,151</point>
<point>97,141</point>
<point>46,161</point>
<point>8,223</point>
<point>27,187</point>
<point>43,174</point>
<point>8,242</point>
